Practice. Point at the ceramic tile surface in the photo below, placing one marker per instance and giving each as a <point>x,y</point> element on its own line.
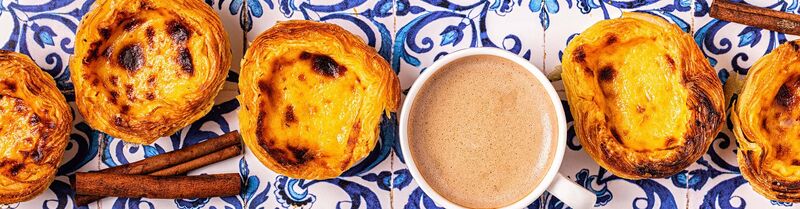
<point>410,35</point>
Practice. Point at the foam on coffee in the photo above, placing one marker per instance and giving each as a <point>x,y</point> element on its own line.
<point>482,132</point>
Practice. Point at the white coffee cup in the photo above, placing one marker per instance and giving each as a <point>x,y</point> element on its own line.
<point>567,191</point>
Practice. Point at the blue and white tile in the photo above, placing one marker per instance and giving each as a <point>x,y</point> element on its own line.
<point>426,31</point>
<point>731,47</point>
<point>43,30</point>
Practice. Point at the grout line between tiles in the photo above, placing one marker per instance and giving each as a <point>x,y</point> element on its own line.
<point>391,154</point>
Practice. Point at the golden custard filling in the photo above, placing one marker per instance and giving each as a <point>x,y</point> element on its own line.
<point>291,102</point>
<point>635,101</point>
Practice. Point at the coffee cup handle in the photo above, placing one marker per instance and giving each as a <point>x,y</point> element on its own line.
<point>570,193</point>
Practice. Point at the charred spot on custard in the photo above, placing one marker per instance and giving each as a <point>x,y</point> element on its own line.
<point>178,31</point>
<point>92,53</point>
<point>124,109</point>
<point>325,65</point>
<point>289,116</point>
<point>118,121</point>
<point>289,156</point>
<point>34,120</point>
<point>264,87</point>
<point>794,45</point>
<point>305,55</point>
<point>15,168</point>
<point>10,85</point>
<point>670,141</point>
<point>150,33</point>
<point>129,92</point>
<point>145,5</point>
<point>670,61</point>
<point>131,57</point>
<point>19,106</point>
<point>579,55</point>
<point>104,32</point>
<point>607,73</point>
<point>612,39</point>
<point>150,96</point>
<point>114,80</point>
<point>113,95</point>
<point>185,61</point>
<point>786,96</point>
<point>301,155</point>
<point>151,81</point>
<point>131,24</point>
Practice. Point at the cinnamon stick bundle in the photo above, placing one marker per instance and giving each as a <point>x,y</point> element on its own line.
<point>173,163</point>
<point>755,16</point>
<point>175,170</point>
<point>164,187</point>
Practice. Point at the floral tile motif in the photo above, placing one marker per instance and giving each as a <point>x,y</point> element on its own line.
<point>43,30</point>
<point>427,30</point>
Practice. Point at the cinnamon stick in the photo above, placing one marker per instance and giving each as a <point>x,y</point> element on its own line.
<point>175,157</point>
<point>182,168</point>
<point>755,16</point>
<point>160,187</point>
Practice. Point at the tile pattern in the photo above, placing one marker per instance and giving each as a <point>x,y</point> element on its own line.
<point>410,35</point>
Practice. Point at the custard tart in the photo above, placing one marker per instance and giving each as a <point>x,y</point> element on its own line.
<point>143,69</point>
<point>35,124</point>
<point>646,102</point>
<point>766,121</point>
<point>312,97</point>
